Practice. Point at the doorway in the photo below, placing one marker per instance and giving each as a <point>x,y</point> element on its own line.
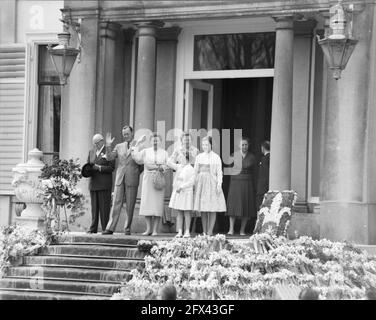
<point>236,103</point>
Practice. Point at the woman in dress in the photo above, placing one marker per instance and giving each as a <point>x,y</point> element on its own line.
<point>181,200</point>
<point>209,198</point>
<point>152,200</point>
<point>178,156</point>
<point>241,198</point>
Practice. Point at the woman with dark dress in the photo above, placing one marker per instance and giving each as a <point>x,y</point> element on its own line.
<point>241,197</point>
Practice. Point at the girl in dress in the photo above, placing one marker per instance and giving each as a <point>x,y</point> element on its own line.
<point>181,200</point>
<point>209,198</point>
<point>241,196</point>
<point>152,200</point>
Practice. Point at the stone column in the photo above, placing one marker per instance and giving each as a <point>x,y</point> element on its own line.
<point>145,76</point>
<point>281,130</point>
<point>303,33</point>
<point>106,77</point>
<point>347,212</point>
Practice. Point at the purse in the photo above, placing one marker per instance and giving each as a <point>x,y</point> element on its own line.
<point>159,180</point>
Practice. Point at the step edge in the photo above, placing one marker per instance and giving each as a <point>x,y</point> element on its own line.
<point>75,282</point>
<point>55,291</point>
<point>76,266</point>
<point>87,257</point>
<point>63,279</point>
<point>73,267</point>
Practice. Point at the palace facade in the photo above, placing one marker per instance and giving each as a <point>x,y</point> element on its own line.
<point>251,65</point>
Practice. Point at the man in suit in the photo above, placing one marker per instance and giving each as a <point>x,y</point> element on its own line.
<point>263,173</point>
<point>100,184</point>
<point>126,182</point>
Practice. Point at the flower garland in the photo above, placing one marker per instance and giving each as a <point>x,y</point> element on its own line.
<point>213,268</point>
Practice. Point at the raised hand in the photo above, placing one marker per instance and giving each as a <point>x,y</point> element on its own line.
<point>109,139</point>
<point>142,139</point>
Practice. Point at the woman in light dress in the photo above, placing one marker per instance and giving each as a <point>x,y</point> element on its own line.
<point>208,198</point>
<point>152,200</point>
<point>181,200</point>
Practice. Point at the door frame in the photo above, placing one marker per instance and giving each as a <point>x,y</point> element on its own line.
<point>184,60</point>
<point>188,98</point>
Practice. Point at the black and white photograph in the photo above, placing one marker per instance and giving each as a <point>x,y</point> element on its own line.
<point>207,151</point>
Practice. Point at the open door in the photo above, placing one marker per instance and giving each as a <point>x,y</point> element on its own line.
<point>198,113</point>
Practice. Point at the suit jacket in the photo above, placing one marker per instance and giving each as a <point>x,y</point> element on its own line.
<point>127,168</point>
<point>101,180</point>
<point>263,175</point>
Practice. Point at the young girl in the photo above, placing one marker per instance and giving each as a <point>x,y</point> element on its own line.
<point>209,198</point>
<point>182,195</point>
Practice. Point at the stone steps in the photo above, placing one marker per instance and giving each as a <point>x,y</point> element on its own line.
<point>26,294</point>
<point>94,250</point>
<point>72,273</point>
<point>105,263</point>
<point>62,285</point>
<point>79,267</point>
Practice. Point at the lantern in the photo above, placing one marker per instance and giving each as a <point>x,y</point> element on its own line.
<point>338,46</point>
<point>63,55</point>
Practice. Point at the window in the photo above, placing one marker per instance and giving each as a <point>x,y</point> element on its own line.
<point>235,51</point>
<point>49,107</point>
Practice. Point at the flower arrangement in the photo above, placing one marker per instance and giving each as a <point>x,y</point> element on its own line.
<point>145,245</point>
<point>59,184</point>
<point>16,242</point>
<point>214,268</point>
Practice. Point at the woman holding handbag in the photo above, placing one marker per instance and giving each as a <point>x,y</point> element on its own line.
<point>154,160</point>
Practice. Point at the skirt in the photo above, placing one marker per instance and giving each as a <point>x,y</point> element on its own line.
<point>241,198</point>
<point>182,200</point>
<point>152,200</point>
<point>206,198</point>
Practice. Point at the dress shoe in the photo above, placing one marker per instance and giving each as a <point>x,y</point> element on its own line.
<point>107,232</point>
<point>127,233</point>
<point>90,232</point>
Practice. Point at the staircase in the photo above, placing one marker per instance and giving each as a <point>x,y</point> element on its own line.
<point>89,267</point>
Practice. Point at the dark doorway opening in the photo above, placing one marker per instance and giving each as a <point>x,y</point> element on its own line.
<point>246,104</point>
<point>240,103</point>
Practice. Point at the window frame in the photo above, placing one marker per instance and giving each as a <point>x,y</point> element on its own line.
<point>185,51</point>
<point>33,41</point>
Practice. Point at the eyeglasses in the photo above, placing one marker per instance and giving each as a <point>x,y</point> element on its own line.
<point>98,141</point>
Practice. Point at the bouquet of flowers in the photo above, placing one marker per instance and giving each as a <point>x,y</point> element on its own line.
<point>16,242</point>
<point>59,184</point>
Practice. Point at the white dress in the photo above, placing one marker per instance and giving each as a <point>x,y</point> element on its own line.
<point>184,178</point>
<point>152,200</point>
<point>208,175</point>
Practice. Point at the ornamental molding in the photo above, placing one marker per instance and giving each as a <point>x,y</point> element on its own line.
<point>141,11</point>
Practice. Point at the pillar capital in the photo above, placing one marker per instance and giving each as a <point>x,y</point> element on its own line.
<point>148,28</point>
<point>304,27</point>
<point>284,21</point>
<point>108,29</point>
<point>168,34</point>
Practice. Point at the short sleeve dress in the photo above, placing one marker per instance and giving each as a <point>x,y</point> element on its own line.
<point>152,200</point>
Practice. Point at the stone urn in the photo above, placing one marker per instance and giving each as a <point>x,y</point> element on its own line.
<point>28,188</point>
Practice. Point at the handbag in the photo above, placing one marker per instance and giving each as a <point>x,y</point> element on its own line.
<point>159,180</point>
